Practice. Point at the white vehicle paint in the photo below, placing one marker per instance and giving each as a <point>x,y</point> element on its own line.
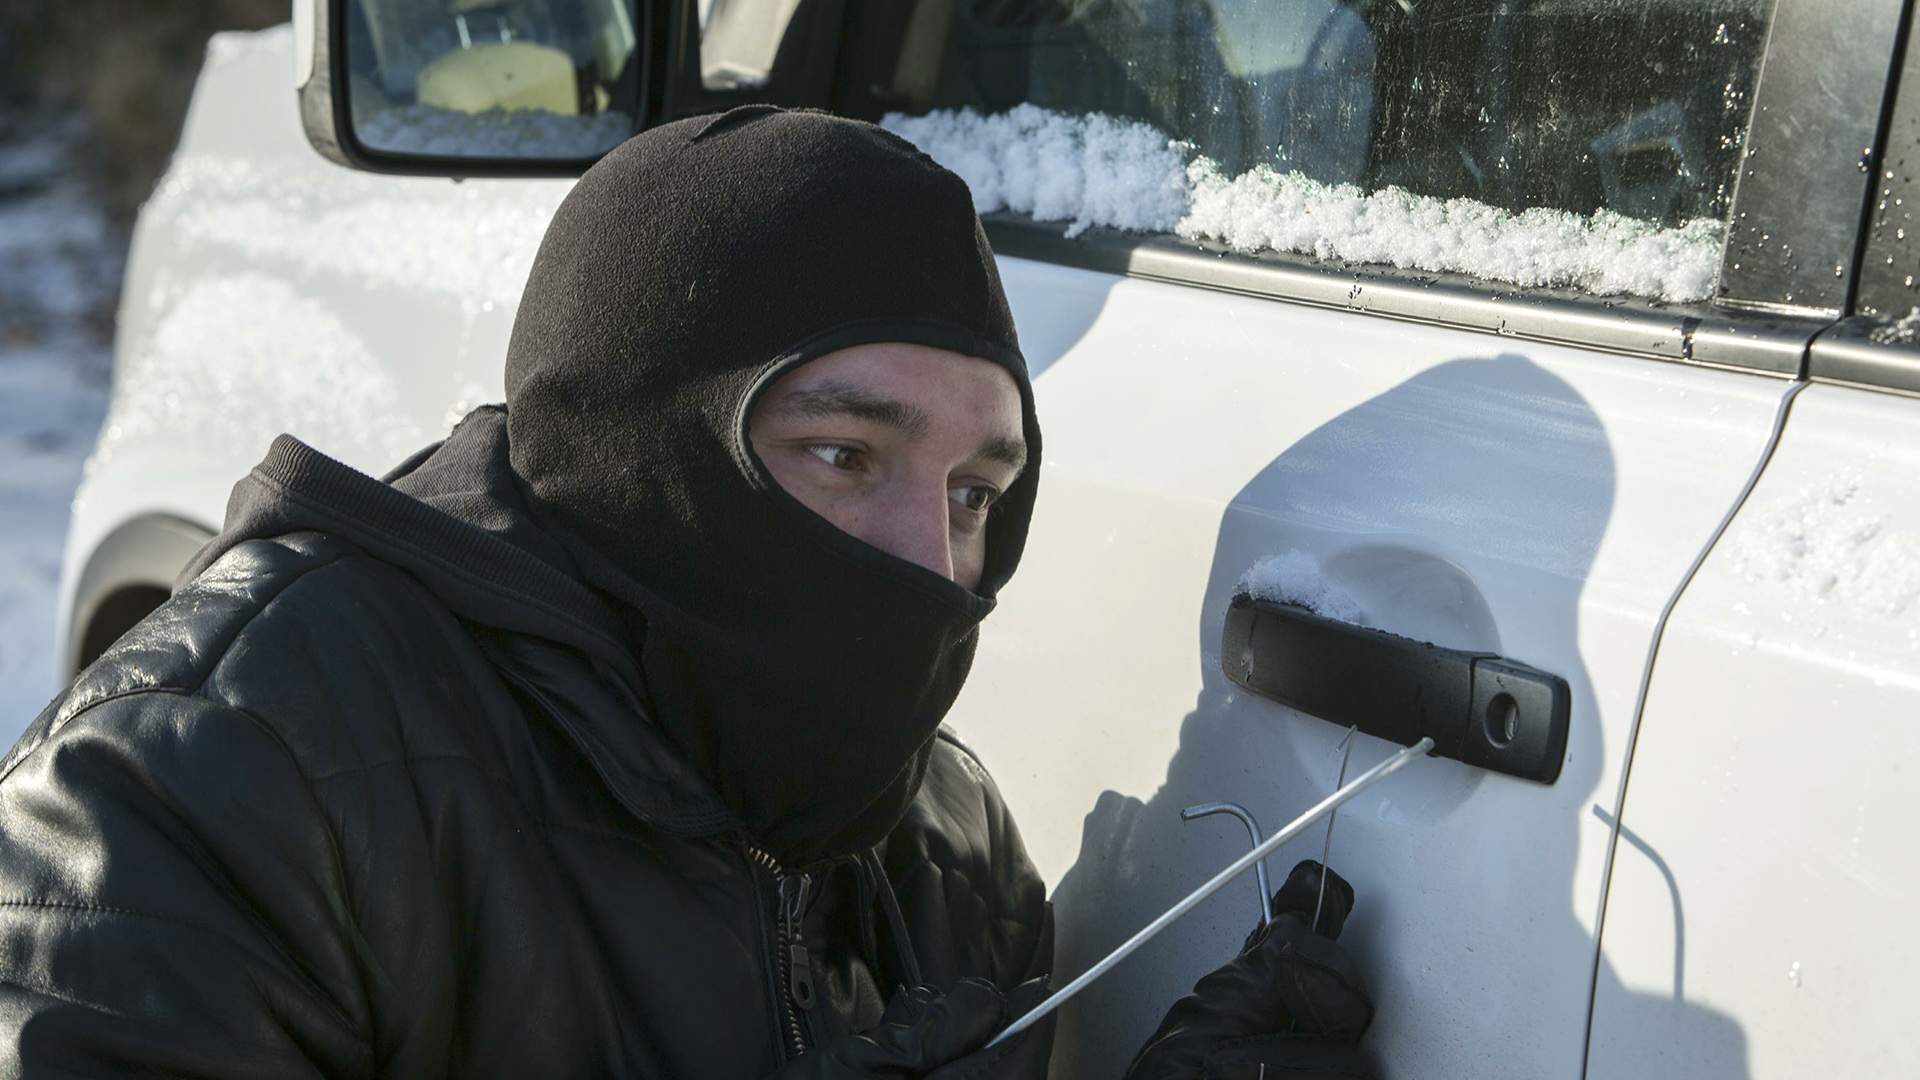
<point>1474,489</point>
<point>1760,917</point>
<point>270,291</point>
<point>1537,502</point>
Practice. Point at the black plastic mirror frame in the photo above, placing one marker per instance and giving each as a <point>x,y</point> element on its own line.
<point>327,114</point>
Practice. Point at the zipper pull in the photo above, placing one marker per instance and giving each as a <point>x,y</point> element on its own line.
<point>799,961</point>
<point>800,975</point>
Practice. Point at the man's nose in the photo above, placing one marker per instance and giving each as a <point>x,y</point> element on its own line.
<point>916,529</point>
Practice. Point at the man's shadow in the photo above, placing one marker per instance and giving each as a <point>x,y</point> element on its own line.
<point>1471,920</point>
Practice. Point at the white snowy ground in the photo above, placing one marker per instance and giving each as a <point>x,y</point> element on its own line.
<point>60,263</point>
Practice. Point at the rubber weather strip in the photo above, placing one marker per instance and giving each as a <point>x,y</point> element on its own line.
<point>1646,682</point>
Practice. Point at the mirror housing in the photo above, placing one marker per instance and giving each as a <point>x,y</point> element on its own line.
<point>462,112</point>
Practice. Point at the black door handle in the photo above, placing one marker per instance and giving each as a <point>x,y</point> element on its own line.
<point>1478,708</point>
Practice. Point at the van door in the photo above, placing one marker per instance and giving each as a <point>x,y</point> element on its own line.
<point>1765,868</point>
<point>1427,325</point>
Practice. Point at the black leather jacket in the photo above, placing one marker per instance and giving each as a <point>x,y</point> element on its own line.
<point>307,820</point>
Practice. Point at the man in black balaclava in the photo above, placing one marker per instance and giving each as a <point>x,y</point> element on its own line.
<point>602,738</point>
<point>778,651</point>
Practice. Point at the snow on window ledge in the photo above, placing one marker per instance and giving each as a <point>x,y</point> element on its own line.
<point>1085,170</point>
<point>1100,170</point>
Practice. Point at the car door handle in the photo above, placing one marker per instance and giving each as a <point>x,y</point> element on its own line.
<point>1478,708</point>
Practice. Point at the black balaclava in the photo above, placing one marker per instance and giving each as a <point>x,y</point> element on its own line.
<point>803,671</point>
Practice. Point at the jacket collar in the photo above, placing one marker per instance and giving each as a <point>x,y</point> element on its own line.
<point>454,518</point>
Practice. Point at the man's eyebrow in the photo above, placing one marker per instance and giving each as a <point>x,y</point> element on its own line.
<point>1009,452</point>
<point>840,399</point>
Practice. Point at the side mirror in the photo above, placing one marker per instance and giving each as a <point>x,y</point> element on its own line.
<point>470,87</point>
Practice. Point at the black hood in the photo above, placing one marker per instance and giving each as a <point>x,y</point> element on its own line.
<point>803,671</point>
<point>453,515</point>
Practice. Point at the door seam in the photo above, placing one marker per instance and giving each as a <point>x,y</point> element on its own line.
<point>1646,683</point>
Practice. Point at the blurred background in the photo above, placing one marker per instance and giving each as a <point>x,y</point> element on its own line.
<point>92,94</point>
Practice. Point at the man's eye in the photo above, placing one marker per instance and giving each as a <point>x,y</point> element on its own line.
<point>849,458</point>
<point>976,498</point>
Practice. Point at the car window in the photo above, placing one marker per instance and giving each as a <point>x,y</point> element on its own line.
<point>740,40</point>
<point>1586,143</point>
<point>492,78</point>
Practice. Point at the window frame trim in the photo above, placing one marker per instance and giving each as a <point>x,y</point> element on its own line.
<point>1759,342</point>
<point>1748,326</point>
<point>1807,59</point>
<point>1845,354</point>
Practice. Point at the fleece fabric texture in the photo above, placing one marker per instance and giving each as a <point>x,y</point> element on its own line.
<point>802,671</point>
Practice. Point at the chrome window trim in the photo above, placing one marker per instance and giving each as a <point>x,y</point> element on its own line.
<point>1763,342</point>
<point>1847,355</point>
<point>1888,284</point>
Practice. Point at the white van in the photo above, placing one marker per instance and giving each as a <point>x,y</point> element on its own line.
<point>1523,373</point>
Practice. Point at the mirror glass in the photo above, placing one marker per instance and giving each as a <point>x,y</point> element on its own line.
<point>740,40</point>
<point>528,80</point>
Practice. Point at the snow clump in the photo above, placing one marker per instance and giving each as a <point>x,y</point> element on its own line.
<point>1086,170</point>
<point>507,133</point>
<point>1825,546</point>
<point>1267,210</point>
<point>1099,170</point>
<point>1295,578</point>
<point>1902,331</point>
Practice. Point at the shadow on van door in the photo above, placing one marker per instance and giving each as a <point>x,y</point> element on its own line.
<point>1464,507</point>
<point>1054,314</point>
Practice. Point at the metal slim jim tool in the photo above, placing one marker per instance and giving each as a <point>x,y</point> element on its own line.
<point>1233,870</point>
<point>1346,752</point>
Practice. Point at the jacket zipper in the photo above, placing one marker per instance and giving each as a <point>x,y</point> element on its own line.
<point>793,974</point>
<point>792,981</point>
<point>792,964</point>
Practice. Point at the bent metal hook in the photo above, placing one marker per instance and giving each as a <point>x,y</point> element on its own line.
<point>1253,832</point>
<point>1213,885</point>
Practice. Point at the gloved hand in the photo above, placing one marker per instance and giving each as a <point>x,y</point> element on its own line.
<point>1292,1002</point>
<point>1023,1057</point>
<point>926,1034</point>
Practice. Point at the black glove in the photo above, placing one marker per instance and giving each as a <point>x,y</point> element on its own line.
<point>1023,1057</point>
<point>1292,1003</point>
<point>924,1033</point>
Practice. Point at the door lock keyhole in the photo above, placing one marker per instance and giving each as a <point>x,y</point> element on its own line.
<point>1503,719</point>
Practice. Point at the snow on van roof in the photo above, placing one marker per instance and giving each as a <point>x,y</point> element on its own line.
<point>1095,169</point>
